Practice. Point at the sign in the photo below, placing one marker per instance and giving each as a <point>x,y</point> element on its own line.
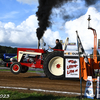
<point>89,88</point>
<point>71,68</point>
<point>98,43</point>
<point>71,53</point>
<point>71,43</point>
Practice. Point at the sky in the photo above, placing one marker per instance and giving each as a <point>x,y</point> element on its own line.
<point>18,23</point>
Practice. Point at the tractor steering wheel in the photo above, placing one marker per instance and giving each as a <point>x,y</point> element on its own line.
<point>49,48</point>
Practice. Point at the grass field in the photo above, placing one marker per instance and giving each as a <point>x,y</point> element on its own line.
<point>15,95</point>
<point>28,71</point>
<point>4,69</point>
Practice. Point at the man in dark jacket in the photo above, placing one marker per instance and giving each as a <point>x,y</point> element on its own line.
<point>58,45</point>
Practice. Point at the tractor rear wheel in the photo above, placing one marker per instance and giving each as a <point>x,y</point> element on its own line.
<point>24,69</point>
<point>53,65</point>
<point>16,68</point>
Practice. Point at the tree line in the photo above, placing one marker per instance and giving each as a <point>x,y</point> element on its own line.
<point>5,49</point>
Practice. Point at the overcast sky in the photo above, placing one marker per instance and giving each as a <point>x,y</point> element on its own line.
<point>18,23</point>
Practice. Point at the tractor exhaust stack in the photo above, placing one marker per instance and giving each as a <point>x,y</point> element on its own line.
<point>38,44</point>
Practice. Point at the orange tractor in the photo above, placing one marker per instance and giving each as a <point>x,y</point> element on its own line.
<point>58,63</point>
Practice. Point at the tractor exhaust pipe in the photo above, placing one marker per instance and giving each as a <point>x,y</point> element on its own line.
<point>38,44</point>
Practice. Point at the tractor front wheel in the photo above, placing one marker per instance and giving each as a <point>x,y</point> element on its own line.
<point>53,65</point>
<point>16,68</point>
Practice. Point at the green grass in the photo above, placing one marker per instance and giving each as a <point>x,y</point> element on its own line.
<point>4,69</point>
<point>15,95</point>
<point>28,71</point>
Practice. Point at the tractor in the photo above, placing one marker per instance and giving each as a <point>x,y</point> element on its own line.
<point>58,63</point>
<point>39,58</point>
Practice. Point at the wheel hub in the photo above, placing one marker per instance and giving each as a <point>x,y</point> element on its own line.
<point>58,66</point>
<point>15,68</point>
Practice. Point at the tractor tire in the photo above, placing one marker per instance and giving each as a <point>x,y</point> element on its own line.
<point>53,65</point>
<point>16,68</point>
<point>24,69</point>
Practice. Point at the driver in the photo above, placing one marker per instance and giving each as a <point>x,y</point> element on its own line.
<point>58,45</point>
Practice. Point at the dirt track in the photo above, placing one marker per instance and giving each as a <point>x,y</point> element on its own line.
<point>39,81</point>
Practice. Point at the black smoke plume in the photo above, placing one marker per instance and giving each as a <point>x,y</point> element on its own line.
<point>44,11</point>
<point>90,2</point>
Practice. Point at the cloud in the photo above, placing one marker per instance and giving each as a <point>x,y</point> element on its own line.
<point>51,36</point>
<point>81,24</point>
<point>9,25</point>
<point>69,11</point>
<point>21,35</point>
<point>28,1</point>
<point>24,35</point>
